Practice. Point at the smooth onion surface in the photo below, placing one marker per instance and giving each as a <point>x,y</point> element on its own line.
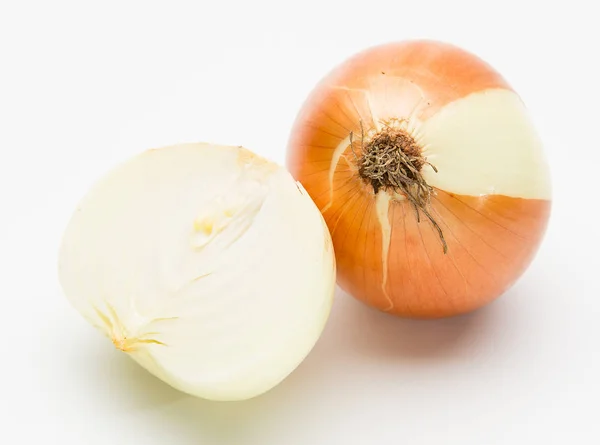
<point>492,193</point>
<point>208,265</point>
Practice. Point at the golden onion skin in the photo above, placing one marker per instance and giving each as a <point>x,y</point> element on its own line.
<point>492,191</point>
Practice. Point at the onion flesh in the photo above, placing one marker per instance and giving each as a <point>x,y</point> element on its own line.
<point>208,265</point>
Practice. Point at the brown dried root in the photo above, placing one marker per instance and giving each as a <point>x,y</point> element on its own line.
<point>392,160</point>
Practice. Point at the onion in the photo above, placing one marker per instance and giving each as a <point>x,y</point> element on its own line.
<point>208,265</point>
<point>430,176</point>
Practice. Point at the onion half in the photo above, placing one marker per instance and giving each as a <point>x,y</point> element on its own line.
<point>208,265</point>
<point>430,176</point>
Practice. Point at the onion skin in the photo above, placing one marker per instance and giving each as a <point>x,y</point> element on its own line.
<point>493,192</point>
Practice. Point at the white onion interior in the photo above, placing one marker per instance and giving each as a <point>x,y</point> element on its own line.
<point>211,265</point>
<point>485,143</point>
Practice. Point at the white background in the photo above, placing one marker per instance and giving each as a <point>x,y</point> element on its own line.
<point>85,85</point>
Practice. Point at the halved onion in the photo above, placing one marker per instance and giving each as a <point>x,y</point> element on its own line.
<point>430,176</point>
<point>208,265</point>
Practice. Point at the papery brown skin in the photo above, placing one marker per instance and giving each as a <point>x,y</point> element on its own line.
<point>492,237</point>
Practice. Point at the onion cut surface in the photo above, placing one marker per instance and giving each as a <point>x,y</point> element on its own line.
<point>459,247</point>
<point>208,265</point>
